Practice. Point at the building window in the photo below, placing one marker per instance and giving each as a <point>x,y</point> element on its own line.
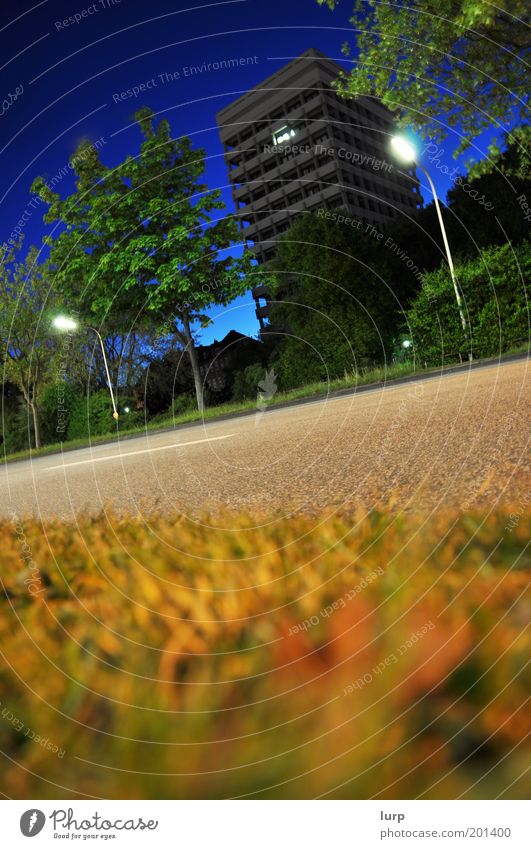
<point>284,134</point>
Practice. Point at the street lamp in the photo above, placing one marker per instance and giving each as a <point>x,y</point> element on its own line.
<point>404,150</point>
<point>65,325</point>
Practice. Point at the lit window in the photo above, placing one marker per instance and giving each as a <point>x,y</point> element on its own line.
<point>284,134</point>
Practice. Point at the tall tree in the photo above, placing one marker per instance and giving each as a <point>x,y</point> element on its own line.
<point>341,289</point>
<point>140,239</point>
<point>442,62</point>
<point>30,350</point>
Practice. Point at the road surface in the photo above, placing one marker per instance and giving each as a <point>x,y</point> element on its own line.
<point>461,440</point>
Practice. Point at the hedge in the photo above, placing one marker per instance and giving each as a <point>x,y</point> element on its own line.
<point>496,296</point>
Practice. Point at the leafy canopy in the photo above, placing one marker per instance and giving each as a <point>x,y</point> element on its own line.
<point>442,63</point>
<point>141,236</point>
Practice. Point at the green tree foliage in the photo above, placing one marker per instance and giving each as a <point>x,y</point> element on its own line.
<point>484,205</point>
<point>496,290</point>
<point>341,294</point>
<point>30,351</point>
<point>440,63</point>
<point>90,415</point>
<point>512,156</point>
<point>141,238</point>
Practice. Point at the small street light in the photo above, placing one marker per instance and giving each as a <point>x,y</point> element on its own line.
<point>407,343</point>
<point>65,325</point>
<point>404,150</point>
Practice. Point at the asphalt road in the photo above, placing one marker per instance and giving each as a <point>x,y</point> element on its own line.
<point>461,440</point>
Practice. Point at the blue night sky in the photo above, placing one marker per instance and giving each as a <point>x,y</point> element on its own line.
<point>71,76</point>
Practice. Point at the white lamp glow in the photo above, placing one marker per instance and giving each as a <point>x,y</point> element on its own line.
<point>62,322</point>
<point>403,149</point>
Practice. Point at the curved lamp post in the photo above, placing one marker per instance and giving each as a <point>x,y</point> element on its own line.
<point>404,150</point>
<point>65,325</point>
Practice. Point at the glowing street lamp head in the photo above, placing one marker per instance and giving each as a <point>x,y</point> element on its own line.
<point>403,149</point>
<point>407,343</point>
<point>63,323</point>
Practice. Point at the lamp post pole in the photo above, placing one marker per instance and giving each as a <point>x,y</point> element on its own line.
<point>405,151</point>
<point>116,414</point>
<point>64,324</point>
<point>446,247</point>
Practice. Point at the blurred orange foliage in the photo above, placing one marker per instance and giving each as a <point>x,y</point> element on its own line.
<point>344,656</point>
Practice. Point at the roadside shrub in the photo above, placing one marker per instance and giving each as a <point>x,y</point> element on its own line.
<point>91,415</point>
<point>496,293</point>
<point>348,655</point>
<point>246,382</point>
<point>324,352</point>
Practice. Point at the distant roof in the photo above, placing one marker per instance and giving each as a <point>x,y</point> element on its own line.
<point>229,339</point>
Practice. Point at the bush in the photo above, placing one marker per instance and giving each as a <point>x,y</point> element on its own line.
<point>323,353</point>
<point>182,404</point>
<point>246,382</point>
<point>91,416</point>
<point>286,658</point>
<point>495,290</point>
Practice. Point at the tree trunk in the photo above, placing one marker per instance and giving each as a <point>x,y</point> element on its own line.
<point>192,353</point>
<point>36,428</point>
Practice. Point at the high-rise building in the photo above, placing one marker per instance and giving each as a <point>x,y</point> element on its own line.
<point>291,144</point>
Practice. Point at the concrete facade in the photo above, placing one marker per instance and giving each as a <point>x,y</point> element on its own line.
<point>292,146</point>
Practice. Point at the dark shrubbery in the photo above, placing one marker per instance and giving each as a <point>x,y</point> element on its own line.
<point>91,416</point>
